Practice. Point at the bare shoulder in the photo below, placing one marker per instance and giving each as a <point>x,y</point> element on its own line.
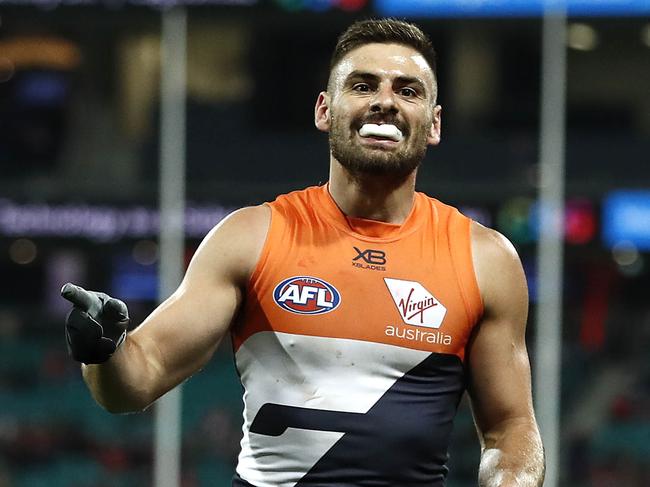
<point>488,243</point>
<point>235,243</point>
<point>253,220</point>
<point>498,267</point>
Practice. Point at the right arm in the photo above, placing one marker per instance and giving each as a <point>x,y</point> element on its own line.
<point>181,335</point>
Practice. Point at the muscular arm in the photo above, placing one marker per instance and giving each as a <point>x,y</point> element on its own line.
<point>181,335</point>
<point>500,386</point>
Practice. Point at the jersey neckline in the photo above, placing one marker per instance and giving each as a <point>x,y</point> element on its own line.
<point>370,230</point>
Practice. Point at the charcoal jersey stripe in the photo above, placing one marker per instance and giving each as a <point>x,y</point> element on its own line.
<point>385,446</point>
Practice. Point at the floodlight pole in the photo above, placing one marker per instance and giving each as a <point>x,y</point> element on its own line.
<point>548,345</point>
<point>167,439</point>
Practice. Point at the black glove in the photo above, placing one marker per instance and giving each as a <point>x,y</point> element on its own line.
<point>96,326</point>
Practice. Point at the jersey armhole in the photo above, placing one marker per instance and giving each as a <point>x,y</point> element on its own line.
<point>264,254</point>
<point>463,262</point>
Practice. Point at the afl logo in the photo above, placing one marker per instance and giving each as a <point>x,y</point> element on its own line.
<point>306,295</point>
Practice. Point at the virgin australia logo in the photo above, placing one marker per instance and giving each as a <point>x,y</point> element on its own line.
<point>415,303</point>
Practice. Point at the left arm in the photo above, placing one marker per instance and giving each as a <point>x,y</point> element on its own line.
<point>500,386</point>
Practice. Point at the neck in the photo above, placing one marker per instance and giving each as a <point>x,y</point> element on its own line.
<point>382,198</point>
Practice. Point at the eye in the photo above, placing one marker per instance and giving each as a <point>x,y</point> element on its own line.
<point>361,87</point>
<point>407,92</point>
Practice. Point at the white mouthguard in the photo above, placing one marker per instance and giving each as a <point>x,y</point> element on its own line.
<point>385,131</point>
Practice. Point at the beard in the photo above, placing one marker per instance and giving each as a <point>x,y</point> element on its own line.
<point>360,160</point>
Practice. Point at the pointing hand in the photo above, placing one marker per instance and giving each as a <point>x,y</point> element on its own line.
<point>96,325</point>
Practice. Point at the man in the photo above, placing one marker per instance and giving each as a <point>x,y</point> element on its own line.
<point>358,310</point>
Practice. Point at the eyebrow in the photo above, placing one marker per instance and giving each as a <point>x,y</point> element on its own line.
<point>365,75</point>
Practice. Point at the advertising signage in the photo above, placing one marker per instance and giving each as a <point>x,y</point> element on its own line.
<point>317,6</point>
<point>508,8</point>
<point>626,219</point>
<point>122,3</point>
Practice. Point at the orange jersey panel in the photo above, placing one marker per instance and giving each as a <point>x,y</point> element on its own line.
<point>324,274</point>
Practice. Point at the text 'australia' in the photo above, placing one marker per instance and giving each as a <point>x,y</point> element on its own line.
<point>418,335</point>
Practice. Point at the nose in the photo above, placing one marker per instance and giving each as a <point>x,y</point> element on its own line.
<point>384,101</point>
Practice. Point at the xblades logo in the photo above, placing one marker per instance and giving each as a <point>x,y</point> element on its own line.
<point>369,259</point>
<point>371,256</point>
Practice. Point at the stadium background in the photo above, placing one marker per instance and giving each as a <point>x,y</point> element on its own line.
<point>79,116</point>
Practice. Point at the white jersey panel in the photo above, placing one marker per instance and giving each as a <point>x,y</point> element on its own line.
<point>319,373</point>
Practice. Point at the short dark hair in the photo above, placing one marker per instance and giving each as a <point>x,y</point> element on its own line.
<point>385,31</point>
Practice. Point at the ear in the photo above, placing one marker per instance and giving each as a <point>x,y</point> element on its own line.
<point>322,118</point>
<point>434,133</point>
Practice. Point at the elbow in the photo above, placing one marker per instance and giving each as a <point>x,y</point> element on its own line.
<point>117,389</point>
<point>121,404</point>
<point>123,407</point>
<point>119,400</point>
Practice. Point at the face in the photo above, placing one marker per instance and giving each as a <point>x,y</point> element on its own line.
<point>380,84</point>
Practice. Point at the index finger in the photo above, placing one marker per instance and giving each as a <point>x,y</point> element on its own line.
<point>78,296</point>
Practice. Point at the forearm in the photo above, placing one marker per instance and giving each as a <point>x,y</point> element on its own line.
<point>512,457</point>
<point>126,382</point>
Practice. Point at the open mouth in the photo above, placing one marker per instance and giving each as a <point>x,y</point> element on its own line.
<point>386,131</point>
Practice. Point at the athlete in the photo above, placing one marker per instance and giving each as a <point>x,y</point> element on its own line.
<point>359,311</point>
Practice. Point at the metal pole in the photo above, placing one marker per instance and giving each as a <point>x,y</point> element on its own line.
<point>548,347</point>
<point>167,440</point>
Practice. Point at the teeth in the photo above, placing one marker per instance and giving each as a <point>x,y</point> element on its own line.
<point>386,131</point>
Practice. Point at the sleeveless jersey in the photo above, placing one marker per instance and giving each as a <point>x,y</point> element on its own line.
<point>350,345</point>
